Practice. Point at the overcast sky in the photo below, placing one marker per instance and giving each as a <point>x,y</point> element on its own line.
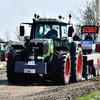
<point>12,12</point>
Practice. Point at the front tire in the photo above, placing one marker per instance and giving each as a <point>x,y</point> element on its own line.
<point>60,68</point>
<point>12,76</point>
<point>77,66</point>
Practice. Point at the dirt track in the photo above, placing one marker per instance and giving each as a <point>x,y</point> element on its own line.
<point>45,90</point>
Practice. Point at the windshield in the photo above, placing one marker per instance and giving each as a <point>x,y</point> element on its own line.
<point>47,31</point>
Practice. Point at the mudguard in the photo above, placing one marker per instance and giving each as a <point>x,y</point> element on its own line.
<point>18,46</point>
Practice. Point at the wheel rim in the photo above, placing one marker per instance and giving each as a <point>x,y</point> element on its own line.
<point>66,68</point>
<point>6,56</point>
<point>79,65</point>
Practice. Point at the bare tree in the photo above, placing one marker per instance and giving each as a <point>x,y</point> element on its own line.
<point>17,36</point>
<point>1,40</point>
<point>85,14</point>
<point>78,29</point>
<point>8,35</point>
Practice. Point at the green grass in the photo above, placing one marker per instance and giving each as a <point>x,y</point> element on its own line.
<point>3,68</point>
<point>92,96</point>
<point>5,65</point>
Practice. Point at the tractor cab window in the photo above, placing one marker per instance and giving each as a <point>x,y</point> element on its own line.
<point>47,31</point>
<point>64,33</point>
<point>2,46</point>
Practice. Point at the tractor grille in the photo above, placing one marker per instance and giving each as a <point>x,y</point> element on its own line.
<point>40,46</point>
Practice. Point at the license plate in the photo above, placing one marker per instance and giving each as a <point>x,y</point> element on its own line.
<point>29,70</point>
<point>31,62</point>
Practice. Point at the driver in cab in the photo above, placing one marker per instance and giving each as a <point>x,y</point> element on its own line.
<point>52,33</point>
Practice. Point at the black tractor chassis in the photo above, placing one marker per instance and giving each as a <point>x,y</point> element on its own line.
<point>23,67</point>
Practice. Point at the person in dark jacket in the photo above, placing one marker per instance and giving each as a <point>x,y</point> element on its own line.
<point>52,33</point>
<point>88,37</point>
<point>76,38</point>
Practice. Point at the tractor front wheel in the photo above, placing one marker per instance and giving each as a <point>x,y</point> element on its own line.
<point>12,76</point>
<point>60,69</point>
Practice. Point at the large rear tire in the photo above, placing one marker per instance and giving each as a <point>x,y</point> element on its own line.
<point>77,66</point>
<point>60,68</point>
<point>12,76</point>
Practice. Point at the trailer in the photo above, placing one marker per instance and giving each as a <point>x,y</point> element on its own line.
<point>91,65</point>
<point>91,53</point>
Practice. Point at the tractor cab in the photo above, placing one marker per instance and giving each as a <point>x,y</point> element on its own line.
<point>49,28</point>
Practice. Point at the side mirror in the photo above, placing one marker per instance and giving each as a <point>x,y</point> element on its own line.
<point>21,30</point>
<point>70,31</point>
<point>26,38</point>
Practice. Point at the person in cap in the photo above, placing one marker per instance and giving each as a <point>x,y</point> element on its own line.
<point>88,37</point>
<point>76,37</point>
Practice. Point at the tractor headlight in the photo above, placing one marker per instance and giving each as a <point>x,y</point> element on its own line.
<point>39,57</point>
<point>31,57</point>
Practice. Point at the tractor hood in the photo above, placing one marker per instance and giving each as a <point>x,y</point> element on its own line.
<point>41,47</point>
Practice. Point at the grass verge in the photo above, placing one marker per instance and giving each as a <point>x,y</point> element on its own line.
<point>3,68</point>
<point>92,96</point>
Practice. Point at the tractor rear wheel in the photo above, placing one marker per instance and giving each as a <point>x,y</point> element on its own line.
<point>60,68</point>
<point>77,66</point>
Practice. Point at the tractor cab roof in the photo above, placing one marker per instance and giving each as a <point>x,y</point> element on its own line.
<point>51,20</point>
<point>60,19</point>
<point>39,19</point>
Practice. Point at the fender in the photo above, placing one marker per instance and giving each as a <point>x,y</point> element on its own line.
<point>78,44</point>
<point>62,48</point>
<point>18,46</point>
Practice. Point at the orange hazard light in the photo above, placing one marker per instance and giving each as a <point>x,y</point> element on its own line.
<point>70,15</point>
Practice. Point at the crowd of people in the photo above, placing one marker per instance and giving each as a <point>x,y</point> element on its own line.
<point>87,37</point>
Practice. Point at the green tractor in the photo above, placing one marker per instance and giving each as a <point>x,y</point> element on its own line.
<point>47,53</point>
<point>3,51</point>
